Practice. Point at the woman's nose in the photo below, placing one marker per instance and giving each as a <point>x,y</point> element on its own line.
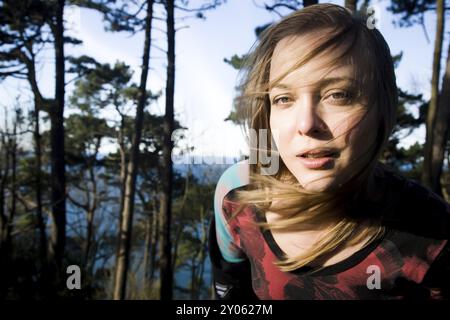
<point>308,120</point>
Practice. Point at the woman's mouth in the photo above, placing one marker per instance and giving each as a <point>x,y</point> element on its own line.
<point>322,158</point>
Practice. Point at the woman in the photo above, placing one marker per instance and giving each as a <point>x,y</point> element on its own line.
<point>332,222</point>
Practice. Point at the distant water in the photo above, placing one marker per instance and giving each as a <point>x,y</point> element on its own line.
<point>209,172</point>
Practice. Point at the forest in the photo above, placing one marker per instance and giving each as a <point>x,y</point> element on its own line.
<point>133,221</point>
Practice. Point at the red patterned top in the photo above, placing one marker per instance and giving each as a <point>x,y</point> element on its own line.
<point>410,261</point>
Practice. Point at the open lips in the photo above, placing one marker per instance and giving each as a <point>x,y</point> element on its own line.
<point>319,153</point>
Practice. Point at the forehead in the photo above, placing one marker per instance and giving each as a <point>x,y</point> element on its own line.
<point>292,50</point>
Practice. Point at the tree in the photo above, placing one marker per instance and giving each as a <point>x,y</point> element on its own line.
<point>309,2</point>
<point>436,126</point>
<point>192,213</point>
<point>9,146</point>
<point>166,271</point>
<point>166,196</point>
<point>56,111</point>
<point>413,12</point>
<point>130,184</point>
<point>27,27</point>
<point>23,37</point>
<point>351,5</point>
<point>441,133</point>
<point>280,7</point>
<point>85,134</point>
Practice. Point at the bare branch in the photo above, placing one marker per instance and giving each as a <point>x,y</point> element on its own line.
<point>10,134</point>
<point>279,5</point>
<point>422,23</point>
<point>180,28</point>
<point>158,48</point>
<point>200,9</point>
<point>76,203</point>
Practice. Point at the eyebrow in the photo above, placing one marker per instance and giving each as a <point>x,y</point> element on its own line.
<point>324,82</point>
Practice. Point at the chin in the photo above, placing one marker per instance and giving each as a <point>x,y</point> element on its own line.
<point>316,182</point>
<point>316,186</point>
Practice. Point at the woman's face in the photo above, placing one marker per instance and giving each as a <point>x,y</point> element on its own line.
<point>312,111</point>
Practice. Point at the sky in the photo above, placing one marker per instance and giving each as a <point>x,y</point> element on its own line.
<point>205,84</point>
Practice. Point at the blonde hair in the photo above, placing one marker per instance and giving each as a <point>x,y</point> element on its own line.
<point>301,209</point>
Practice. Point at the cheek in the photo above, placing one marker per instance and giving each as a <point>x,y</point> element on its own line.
<point>282,131</point>
<point>363,135</point>
<point>341,125</point>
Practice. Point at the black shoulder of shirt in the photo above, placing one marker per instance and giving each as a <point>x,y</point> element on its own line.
<point>411,207</point>
<point>232,194</point>
<point>231,281</point>
<point>437,279</point>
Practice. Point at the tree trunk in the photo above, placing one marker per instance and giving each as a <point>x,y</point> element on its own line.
<point>203,252</point>
<point>351,5</point>
<point>154,246</point>
<point>166,203</point>
<point>123,176</point>
<point>4,255</point>
<point>38,186</point>
<point>178,233</point>
<point>92,207</point>
<point>441,129</point>
<point>13,203</point>
<point>193,277</point>
<point>8,219</point>
<point>428,179</point>
<point>89,232</point>
<point>309,2</point>
<point>3,183</point>
<point>39,104</point>
<point>147,247</point>
<point>4,165</point>
<point>123,164</point>
<point>180,226</point>
<point>148,210</point>
<point>199,261</point>
<point>58,183</point>
<point>133,166</point>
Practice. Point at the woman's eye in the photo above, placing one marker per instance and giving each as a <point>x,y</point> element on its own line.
<point>281,100</point>
<point>340,97</point>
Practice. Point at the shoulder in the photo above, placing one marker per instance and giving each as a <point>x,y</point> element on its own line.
<point>233,178</point>
<point>418,222</point>
<point>416,209</point>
